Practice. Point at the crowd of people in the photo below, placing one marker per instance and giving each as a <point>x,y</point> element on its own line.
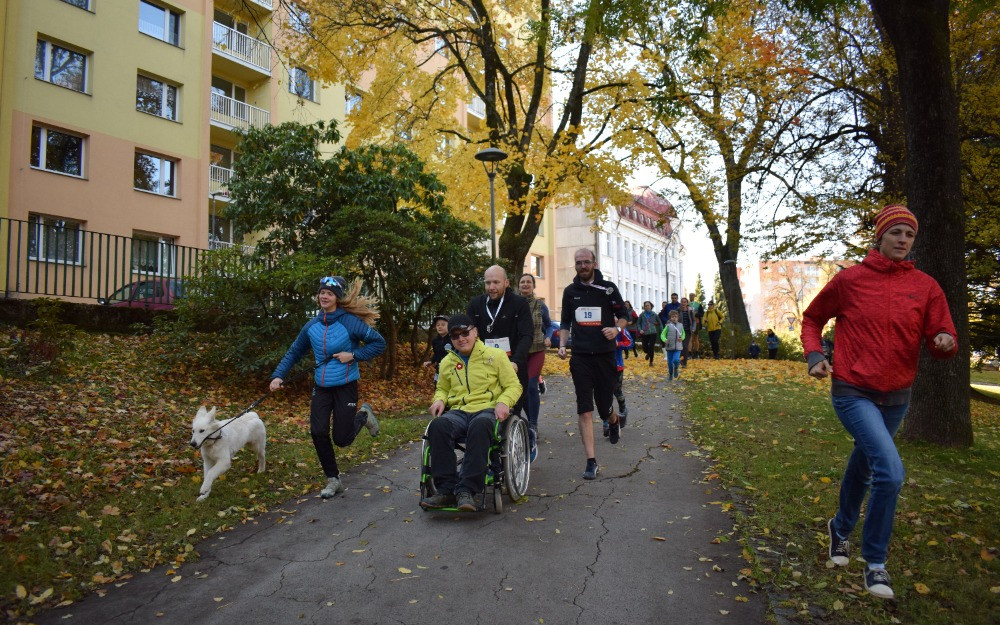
<point>488,363</point>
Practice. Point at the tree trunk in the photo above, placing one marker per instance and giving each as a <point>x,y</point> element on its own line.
<point>390,356</point>
<point>918,33</point>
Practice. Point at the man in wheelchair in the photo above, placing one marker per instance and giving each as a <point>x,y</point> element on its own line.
<point>477,385</point>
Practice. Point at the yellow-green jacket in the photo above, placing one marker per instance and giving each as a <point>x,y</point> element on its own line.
<point>713,319</point>
<point>487,380</point>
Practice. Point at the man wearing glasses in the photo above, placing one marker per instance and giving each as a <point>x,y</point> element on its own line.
<point>593,308</point>
<point>477,386</point>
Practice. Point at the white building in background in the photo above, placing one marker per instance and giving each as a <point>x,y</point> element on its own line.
<point>638,246</point>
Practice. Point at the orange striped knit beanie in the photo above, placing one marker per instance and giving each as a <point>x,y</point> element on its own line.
<point>890,216</point>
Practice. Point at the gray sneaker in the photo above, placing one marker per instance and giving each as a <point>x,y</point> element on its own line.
<point>333,487</point>
<point>371,423</point>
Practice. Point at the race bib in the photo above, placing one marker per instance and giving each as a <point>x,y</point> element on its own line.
<point>500,343</point>
<point>588,315</point>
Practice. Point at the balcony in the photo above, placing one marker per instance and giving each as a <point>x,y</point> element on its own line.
<point>241,50</point>
<point>218,182</point>
<point>232,114</point>
<point>265,4</point>
<point>476,107</point>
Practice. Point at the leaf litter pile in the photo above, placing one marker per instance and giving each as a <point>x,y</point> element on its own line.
<point>98,478</point>
<point>779,449</point>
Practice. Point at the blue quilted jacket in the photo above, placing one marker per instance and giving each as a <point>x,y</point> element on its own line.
<point>327,334</point>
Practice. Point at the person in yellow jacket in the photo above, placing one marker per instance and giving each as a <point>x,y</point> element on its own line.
<point>713,319</point>
<point>477,385</point>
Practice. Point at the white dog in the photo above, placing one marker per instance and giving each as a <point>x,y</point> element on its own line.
<point>219,445</point>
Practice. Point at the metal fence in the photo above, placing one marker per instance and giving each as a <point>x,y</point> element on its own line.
<point>56,258</point>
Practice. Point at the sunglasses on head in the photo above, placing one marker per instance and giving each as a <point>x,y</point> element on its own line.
<point>456,333</point>
<point>329,281</point>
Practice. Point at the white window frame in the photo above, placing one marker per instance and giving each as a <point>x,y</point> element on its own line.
<point>43,136</point>
<point>39,226</point>
<point>168,33</point>
<point>352,100</point>
<point>165,261</point>
<point>165,89</point>
<point>161,184</point>
<point>46,69</point>
<point>299,19</point>
<point>295,81</point>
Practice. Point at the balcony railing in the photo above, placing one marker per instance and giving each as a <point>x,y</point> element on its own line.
<point>217,244</point>
<point>218,181</point>
<point>242,48</point>
<point>236,114</point>
<point>477,107</point>
<point>267,4</point>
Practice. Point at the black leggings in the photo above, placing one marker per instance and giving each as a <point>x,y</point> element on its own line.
<point>338,404</point>
<point>649,346</point>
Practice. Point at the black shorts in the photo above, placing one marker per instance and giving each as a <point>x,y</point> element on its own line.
<point>594,377</point>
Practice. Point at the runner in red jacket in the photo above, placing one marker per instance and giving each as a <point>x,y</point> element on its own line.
<point>884,309</point>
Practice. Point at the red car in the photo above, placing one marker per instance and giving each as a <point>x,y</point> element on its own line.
<point>151,293</point>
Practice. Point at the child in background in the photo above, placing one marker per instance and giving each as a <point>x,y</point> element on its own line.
<point>625,343</point>
<point>754,349</point>
<point>673,343</point>
<point>441,344</point>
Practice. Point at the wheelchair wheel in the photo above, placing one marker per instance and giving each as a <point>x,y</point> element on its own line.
<point>497,500</point>
<point>426,481</point>
<point>516,458</point>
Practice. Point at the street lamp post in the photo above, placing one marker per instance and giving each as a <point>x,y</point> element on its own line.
<point>490,157</point>
<point>732,331</point>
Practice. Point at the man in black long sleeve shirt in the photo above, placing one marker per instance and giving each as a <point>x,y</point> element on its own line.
<point>593,308</point>
<point>503,319</point>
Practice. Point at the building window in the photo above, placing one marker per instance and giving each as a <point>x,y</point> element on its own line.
<point>301,85</point>
<point>159,22</point>
<point>60,66</point>
<point>440,46</point>
<point>299,19</point>
<point>56,151</point>
<point>83,4</point>
<point>153,254</point>
<point>55,239</point>
<point>155,174</point>
<point>536,266</point>
<point>352,100</point>
<point>155,97</point>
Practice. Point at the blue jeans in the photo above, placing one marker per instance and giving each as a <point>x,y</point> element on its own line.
<point>673,362</point>
<point>874,464</point>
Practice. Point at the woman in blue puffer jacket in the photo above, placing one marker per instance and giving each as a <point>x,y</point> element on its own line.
<point>341,335</point>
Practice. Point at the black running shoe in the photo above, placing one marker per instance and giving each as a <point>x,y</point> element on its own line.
<point>840,548</point>
<point>614,432</point>
<point>878,584</point>
<point>590,473</point>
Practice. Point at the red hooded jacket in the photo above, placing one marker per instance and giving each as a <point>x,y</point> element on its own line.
<point>883,308</point>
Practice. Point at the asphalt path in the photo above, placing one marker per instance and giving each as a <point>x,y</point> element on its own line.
<point>647,542</point>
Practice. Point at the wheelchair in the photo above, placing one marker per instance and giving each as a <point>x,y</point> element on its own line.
<point>507,468</point>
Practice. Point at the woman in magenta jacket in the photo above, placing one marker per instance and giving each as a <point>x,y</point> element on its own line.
<point>884,309</point>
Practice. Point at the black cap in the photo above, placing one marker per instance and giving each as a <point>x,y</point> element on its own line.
<point>460,322</point>
<point>334,284</point>
<point>439,318</point>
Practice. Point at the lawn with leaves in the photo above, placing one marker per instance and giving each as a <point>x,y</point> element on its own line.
<point>98,480</point>
<point>780,451</point>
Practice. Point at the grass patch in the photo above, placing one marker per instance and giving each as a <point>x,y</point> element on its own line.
<point>98,480</point>
<point>780,451</point>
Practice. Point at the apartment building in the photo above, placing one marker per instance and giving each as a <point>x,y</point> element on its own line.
<point>638,246</point>
<point>121,117</point>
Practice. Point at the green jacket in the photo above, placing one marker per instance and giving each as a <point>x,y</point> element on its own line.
<point>487,380</point>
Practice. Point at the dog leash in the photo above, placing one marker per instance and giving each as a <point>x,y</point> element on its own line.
<point>260,399</point>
